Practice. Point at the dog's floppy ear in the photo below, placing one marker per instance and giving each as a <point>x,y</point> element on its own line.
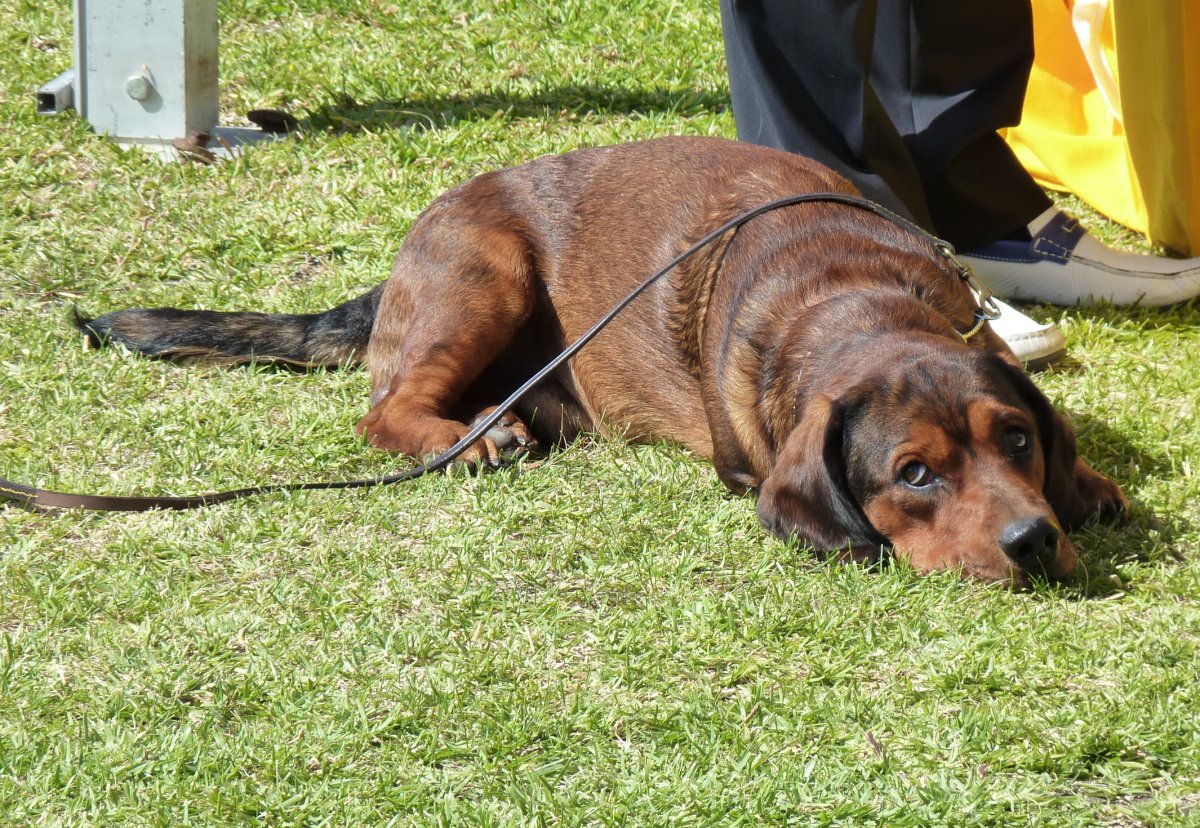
<point>806,493</point>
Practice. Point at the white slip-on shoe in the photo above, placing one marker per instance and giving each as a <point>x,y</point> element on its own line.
<point>1035,344</point>
<point>1065,264</point>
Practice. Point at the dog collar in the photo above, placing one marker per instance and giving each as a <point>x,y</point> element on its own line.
<point>986,309</point>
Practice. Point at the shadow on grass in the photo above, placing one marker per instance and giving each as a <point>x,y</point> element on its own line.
<point>1185,314</point>
<point>1148,537</point>
<point>345,114</point>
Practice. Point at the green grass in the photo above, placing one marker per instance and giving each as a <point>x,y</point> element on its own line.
<point>605,638</point>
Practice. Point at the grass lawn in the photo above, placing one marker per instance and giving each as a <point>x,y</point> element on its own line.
<point>604,638</point>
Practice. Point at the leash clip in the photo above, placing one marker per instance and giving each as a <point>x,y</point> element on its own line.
<point>987,310</point>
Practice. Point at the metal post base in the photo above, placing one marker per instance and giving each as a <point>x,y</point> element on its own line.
<point>223,142</point>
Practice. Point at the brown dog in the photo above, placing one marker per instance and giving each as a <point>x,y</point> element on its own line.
<point>814,354</point>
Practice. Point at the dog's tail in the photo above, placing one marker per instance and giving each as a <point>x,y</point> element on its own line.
<point>336,337</point>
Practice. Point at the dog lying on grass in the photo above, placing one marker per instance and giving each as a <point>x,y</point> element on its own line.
<point>815,354</point>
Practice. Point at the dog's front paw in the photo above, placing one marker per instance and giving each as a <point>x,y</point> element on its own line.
<point>1102,496</point>
<point>511,437</point>
<point>427,437</point>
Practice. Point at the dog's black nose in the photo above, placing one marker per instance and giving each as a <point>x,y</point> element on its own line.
<point>1032,543</point>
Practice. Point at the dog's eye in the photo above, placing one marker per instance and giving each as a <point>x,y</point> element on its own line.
<point>1016,440</point>
<point>916,474</point>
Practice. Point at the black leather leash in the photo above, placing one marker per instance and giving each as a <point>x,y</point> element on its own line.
<point>35,498</point>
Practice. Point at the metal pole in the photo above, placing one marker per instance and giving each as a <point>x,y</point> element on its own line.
<point>146,75</point>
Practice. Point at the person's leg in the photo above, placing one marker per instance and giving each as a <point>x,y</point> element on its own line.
<point>799,77</point>
<point>804,78</point>
<point>951,74</point>
<point>904,101</point>
<point>966,80</point>
<point>904,98</point>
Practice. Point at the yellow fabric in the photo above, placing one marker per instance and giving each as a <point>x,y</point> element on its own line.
<point>1139,165</point>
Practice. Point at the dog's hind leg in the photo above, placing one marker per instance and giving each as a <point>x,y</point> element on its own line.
<point>462,287</point>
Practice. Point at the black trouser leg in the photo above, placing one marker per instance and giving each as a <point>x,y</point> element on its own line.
<point>903,97</point>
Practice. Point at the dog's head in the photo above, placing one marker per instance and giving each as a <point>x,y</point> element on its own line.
<point>954,459</point>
